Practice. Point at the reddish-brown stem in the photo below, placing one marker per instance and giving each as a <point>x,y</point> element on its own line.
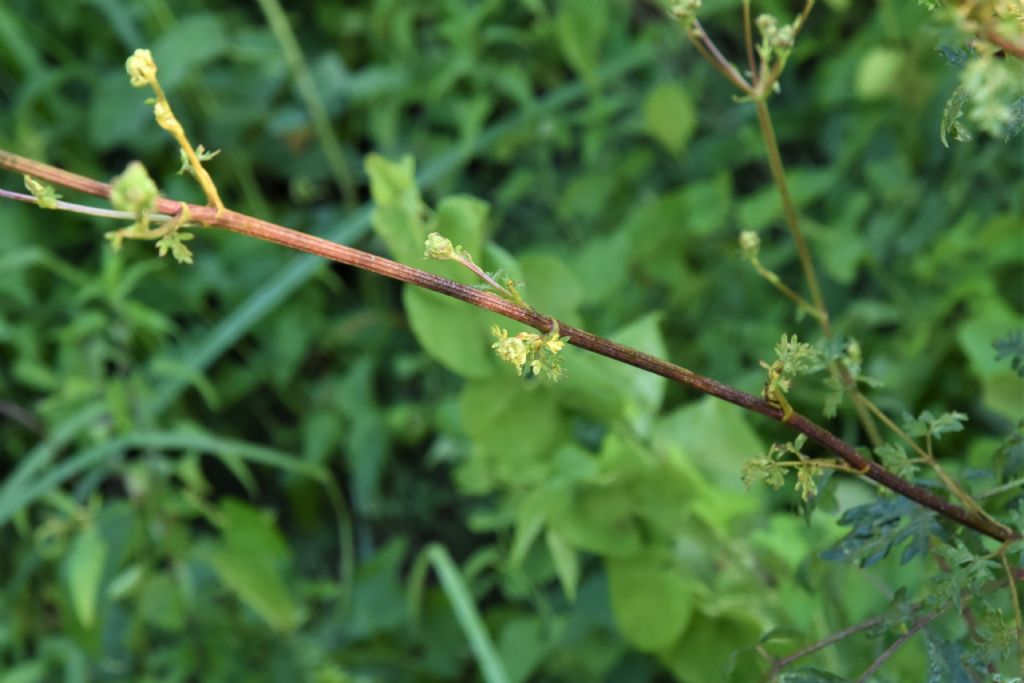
<point>1008,46</point>
<point>293,239</point>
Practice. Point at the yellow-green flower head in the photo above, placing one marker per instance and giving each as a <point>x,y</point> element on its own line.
<point>134,190</point>
<point>767,25</point>
<point>512,350</point>
<point>438,247</point>
<point>141,68</point>
<point>783,39</point>
<point>554,344</point>
<point>684,9</point>
<point>750,243</point>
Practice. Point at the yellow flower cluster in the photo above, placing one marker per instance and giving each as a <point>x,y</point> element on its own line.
<point>531,352</point>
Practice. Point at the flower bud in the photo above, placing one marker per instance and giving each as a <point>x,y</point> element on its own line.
<point>750,243</point>
<point>134,190</point>
<point>438,247</point>
<point>141,68</point>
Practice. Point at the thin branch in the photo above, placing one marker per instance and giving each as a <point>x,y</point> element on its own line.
<point>781,664</point>
<point>894,648</point>
<point>1018,618</point>
<point>748,40</point>
<point>699,35</point>
<point>99,212</point>
<point>928,457</point>
<point>1008,45</point>
<point>293,239</point>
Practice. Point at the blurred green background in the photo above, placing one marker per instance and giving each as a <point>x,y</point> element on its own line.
<point>256,468</point>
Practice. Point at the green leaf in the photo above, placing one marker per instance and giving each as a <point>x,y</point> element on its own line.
<point>879,527</point>
<point>551,287</point>
<point>708,649</point>
<point>160,603</point>
<point>250,560</point>
<point>398,214</point>
<point>878,72</point>
<point>670,116</point>
<point>513,429</point>
<point>609,389</point>
<point>452,332</point>
<point>580,26</point>
<point>714,435</point>
<point>895,458</point>
<point>84,567</point>
<point>652,600</point>
<point>1001,385</point>
<point>567,563</point>
<point>927,424</point>
<point>466,612</point>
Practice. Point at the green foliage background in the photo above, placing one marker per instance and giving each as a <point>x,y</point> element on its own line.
<point>256,467</point>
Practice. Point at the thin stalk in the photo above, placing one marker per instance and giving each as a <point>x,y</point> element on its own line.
<point>707,47</point>
<point>83,209</point>
<point>781,664</point>
<point>775,281</point>
<point>806,262</point>
<point>1018,618</point>
<point>928,459</point>
<point>282,28</point>
<point>233,221</point>
<point>789,208</point>
<point>894,648</point>
<point>748,40</point>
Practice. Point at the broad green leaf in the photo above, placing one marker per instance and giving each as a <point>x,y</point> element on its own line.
<point>580,26</point>
<point>188,44</point>
<point>378,603</point>
<point>160,603</point>
<point>1002,389</point>
<point>84,571</point>
<point>523,644</point>
<point>398,213</point>
<point>878,72</point>
<point>599,519</point>
<point>609,389</point>
<point>513,426</point>
<point>707,650</point>
<point>670,116</point>
<point>250,559</point>
<point>551,287</point>
<point>714,435</point>
<point>453,333</point>
<point>652,600</point>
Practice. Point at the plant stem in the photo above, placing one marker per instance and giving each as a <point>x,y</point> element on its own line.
<point>789,208</point>
<point>748,41</point>
<point>781,664</point>
<point>1018,618</point>
<point>282,29</point>
<point>806,262</point>
<point>83,209</point>
<point>213,217</point>
<point>900,642</point>
<point>928,458</point>
<point>774,280</point>
<point>707,47</point>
